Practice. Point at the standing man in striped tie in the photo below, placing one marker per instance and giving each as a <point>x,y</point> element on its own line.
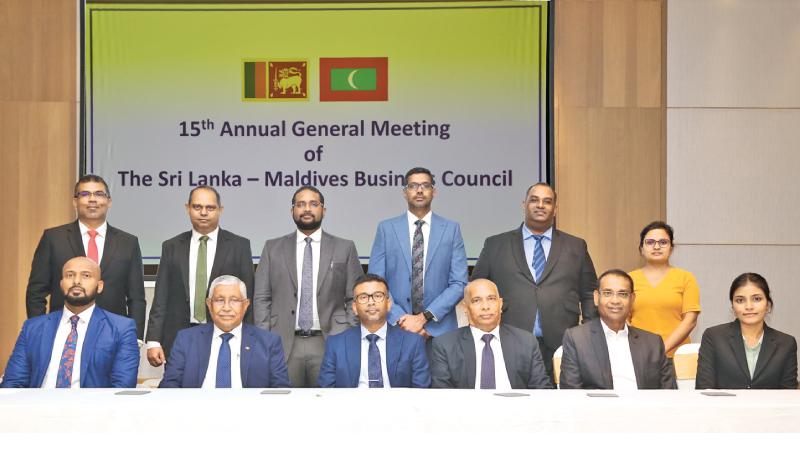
<point>546,276</point>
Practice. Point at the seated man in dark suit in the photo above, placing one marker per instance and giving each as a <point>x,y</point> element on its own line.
<point>226,353</point>
<point>607,353</point>
<point>375,354</point>
<point>486,354</point>
<point>78,346</point>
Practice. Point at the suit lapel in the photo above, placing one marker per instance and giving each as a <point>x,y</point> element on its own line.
<point>510,352</point>
<point>96,325</point>
<point>737,345</point>
<point>518,252</point>
<point>183,260</point>
<point>325,258</point>
<point>220,255</point>
<point>768,348</point>
<point>468,350</point>
<point>394,345</point>
<point>400,226</point>
<point>552,258</point>
<point>46,347</point>
<point>75,240</point>
<point>435,236</point>
<point>290,256</point>
<point>352,349</point>
<point>638,357</point>
<point>109,247</point>
<point>601,353</point>
<point>244,362</point>
<point>202,348</point>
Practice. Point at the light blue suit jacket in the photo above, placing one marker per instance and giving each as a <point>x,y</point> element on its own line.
<point>406,362</point>
<point>109,356</point>
<point>445,269</point>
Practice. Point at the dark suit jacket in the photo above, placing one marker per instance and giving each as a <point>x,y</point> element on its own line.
<point>109,356</point>
<point>722,363</point>
<point>585,362</point>
<point>275,297</point>
<point>453,360</point>
<point>406,362</point>
<point>262,362</point>
<point>121,267</point>
<point>170,310</point>
<point>563,293</point>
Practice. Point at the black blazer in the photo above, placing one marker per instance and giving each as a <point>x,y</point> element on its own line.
<point>585,362</point>
<point>562,295</point>
<point>453,360</point>
<point>722,363</point>
<point>121,268</point>
<point>170,310</point>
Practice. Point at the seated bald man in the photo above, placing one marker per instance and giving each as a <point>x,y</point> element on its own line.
<point>607,353</point>
<point>486,354</point>
<point>80,346</point>
<point>226,353</point>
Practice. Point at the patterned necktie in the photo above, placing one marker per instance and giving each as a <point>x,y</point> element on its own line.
<point>64,377</point>
<point>224,362</point>
<point>374,372</point>
<point>305,319</point>
<point>417,262</point>
<point>201,281</point>
<point>538,268</point>
<point>487,363</point>
<point>92,252</point>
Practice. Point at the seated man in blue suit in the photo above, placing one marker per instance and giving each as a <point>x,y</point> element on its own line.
<point>226,353</point>
<point>422,256</point>
<point>375,354</point>
<point>79,346</point>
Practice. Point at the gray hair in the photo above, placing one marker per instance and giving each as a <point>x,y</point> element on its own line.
<point>228,280</point>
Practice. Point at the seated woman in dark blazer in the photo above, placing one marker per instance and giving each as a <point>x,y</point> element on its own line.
<point>746,353</point>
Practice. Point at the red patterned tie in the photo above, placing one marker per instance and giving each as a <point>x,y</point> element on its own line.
<point>93,253</point>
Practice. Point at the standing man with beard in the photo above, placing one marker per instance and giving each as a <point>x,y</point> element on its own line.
<point>81,345</point>
<point>304,286</point>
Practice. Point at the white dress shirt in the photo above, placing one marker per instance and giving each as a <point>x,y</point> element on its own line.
<point>64,328</point>
<point>301,250</point>
<point>501,380</point>
<point>210,381</point>
<point>211,251</point>
<point>100,239</point>
<point>619,355</point>
<point>426,233</point>
<point>363,378</point>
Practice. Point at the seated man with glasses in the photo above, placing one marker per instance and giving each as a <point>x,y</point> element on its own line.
<point>607,353</point>
<point>225,353</point>
<point>375,354</point>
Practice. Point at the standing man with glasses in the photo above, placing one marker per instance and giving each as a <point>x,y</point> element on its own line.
<point>304,284</point>
<point>224,352</point>
<point>117,252</point>
<point>546,276</point>
<point>375,354</point>
<point>421,255</point>
<point>189,261</point>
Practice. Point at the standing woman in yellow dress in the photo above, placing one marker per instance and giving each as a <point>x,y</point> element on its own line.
<point>667,298</point>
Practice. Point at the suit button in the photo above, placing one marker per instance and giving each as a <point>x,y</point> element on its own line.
<point>292,312</point>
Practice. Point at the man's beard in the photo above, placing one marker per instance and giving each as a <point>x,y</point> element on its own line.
<point>83,300</point>
<point>307,226</point>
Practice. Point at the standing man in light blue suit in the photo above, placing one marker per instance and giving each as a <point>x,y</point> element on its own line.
<point>422,256</point>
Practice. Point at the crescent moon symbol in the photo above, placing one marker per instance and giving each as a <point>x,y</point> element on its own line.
<point>350,79</point>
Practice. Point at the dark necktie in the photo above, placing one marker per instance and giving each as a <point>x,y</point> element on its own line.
<point>224,362</point>
<point>538,267</point>
<point>306,319</point>
<point>64,377</point>
<point>201,281</point>
<point>417,262</point>
<point>487,363</point>
<point>374,372</point>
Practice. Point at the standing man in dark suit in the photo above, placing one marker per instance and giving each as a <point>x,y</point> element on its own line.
<point>421,255</point>
<point>188,262</point>
<point>117,252</point>
<point>486,354</point>
<point>546,276</point>
<point>607,353</point>
<point>304,286</point>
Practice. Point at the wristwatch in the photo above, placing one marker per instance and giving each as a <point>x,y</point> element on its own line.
<point>428,315</point>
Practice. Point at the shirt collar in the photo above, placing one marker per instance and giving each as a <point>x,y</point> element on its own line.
<point>758,344</point>
<point>211,236</point>
<point>315,236</point>
<point>412,218</point>
<point>609,332</point>
<point>477,333</point>
<point>83,317</point>
<point>101,230</point>
<point>236,332</point>
<point>381,332</point>
<point>526,233</point>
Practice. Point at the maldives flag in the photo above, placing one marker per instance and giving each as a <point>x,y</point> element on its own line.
<point>354,79</point>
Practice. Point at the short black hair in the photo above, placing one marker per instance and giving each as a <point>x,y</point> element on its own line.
<point>92,178</point>
<point>308,188</point>
<point>657,225</point>
<point>369,277</point>
<point>541,183</point>
<point>617,273</point>
<point>422,170</point>
<point>209,188</point>
<point>754,278</point>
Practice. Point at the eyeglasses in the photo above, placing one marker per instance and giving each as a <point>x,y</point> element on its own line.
<point>302,205</point>
<point>418,186</point>
<point>233,302</point>
<point>609,294</point>
<point>378,297</point>
<point>653,242</point>
<point>87,194</point>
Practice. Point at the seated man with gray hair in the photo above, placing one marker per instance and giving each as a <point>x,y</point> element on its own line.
<point>226,353</point>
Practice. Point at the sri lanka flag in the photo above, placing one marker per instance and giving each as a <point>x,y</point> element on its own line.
<point>354,79</point>
<point>255,79</point>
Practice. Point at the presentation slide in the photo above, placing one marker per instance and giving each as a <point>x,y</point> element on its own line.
<point>259,99</point>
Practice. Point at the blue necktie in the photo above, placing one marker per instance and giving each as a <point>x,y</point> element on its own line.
<point>487,363</point>
<point>374,372</point>
<point>538,268</point>
<point>224,362</point>
<point>64,376</point>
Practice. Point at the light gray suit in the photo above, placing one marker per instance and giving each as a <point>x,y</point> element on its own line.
<point>585,363</point>
<point>277,288</point>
